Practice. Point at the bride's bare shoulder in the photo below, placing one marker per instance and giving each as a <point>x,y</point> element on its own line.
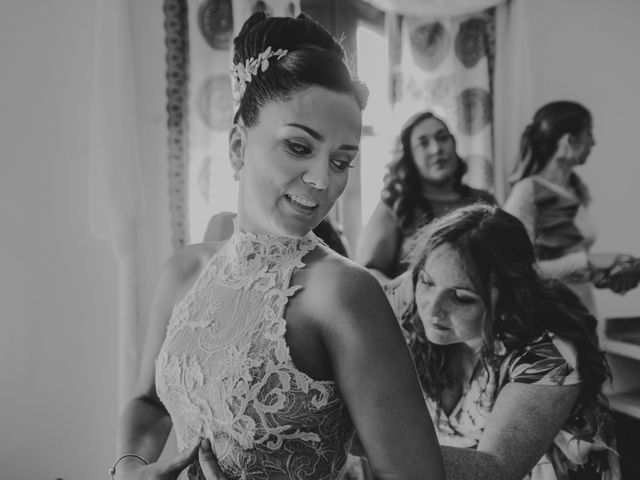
<point>335,281</point>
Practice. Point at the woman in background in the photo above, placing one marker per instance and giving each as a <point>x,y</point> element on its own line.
<point>508,360</point>
<point>270,350</point>
<point>424,182</point>
<point>553,203</point>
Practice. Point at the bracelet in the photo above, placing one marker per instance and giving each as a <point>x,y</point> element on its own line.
<point>112,470</point>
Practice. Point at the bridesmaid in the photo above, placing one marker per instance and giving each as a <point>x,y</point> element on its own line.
<point>553,203</point>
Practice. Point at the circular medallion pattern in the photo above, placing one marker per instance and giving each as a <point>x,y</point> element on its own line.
<point>213,100</point>
<point>215,20</point>
<point>470,42</point>
<point>429,45</point>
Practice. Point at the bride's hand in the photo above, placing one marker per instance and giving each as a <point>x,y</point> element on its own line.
<point>208,462</point>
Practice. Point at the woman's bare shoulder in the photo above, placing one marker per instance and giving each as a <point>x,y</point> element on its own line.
<point>327,265</point>
<point>339,285</point>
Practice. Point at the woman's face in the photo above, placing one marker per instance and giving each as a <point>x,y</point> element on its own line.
<point>433,151</point>
<point>294,163</point>
<point>449,305</point>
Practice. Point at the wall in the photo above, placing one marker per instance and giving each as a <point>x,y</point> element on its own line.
<point>154,233</point>
<point>586,50</point>
<point>57,283</point>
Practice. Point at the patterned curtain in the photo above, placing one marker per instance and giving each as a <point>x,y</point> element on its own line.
<point>446,65</point>
<point>199,41</point>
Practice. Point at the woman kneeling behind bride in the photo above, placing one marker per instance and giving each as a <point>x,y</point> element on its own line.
<point>508,361</point>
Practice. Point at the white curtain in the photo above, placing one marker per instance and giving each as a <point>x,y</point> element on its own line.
<point>513,99</point>
<point>115,180</point>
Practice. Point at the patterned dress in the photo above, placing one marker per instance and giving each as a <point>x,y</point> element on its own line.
<point>546,360</point>
<point>225,372</point>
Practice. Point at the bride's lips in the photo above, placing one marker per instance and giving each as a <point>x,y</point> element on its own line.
<point>301,203</point>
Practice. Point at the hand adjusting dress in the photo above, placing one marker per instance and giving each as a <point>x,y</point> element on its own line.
<point>224,371</point>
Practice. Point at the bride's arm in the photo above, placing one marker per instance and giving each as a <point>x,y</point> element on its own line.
<point>375,375</point>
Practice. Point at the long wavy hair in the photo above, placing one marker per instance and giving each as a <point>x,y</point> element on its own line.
<point>497,252</point>
<point>402,186</point>
<point>539,140</point>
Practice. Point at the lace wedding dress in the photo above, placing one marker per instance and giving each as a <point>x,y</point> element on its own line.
<point>225,372</point>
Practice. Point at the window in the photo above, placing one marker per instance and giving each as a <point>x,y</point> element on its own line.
<point>377,139</point>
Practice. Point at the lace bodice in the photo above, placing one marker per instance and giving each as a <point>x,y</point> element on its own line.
<point>224,371</point>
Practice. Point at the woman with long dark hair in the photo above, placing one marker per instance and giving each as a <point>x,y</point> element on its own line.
<point>552,201</point>
<point>508,360</point>
<point>422,183</point>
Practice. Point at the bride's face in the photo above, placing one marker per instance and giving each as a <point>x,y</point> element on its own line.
<point>294,163</point>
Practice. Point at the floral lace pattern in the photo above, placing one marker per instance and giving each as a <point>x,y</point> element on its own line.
<point>225,372</point>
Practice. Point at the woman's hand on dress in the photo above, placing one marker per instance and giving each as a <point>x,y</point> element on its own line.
<point>167,470</point>
<point>208,461</point>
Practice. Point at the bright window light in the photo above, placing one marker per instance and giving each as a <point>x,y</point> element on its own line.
<point>373,69</point>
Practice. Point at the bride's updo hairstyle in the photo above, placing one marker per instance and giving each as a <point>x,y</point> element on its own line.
<point>313,58</point>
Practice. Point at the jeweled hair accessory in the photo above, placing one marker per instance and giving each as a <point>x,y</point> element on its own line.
<point>241,73</point>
